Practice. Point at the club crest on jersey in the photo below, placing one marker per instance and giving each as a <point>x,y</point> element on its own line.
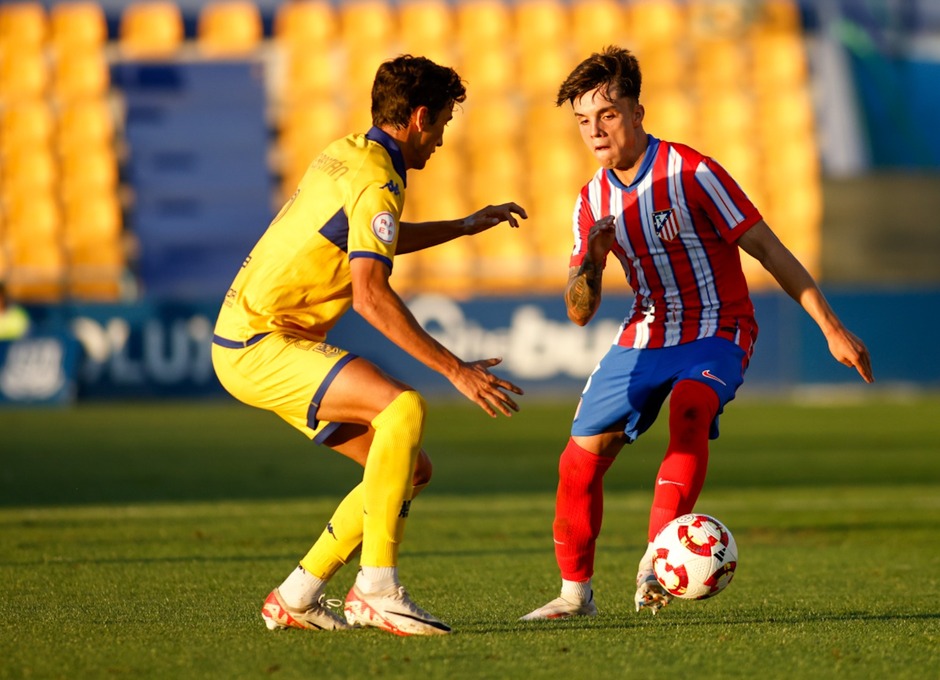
<point>383,226</point>
<point>666,224</point>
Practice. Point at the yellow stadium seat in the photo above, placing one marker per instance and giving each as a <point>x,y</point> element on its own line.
<point>77,25</point>
<point>717,18</point>
<point>367,24</point>
<point>657,22</point>
<point>36,261</point>
<point>488,69</point>
<point>541,25</point>
<point>304,131</point>
<point>309,74</point>
<point>482,24</point>
<point>90,169</point>
<point>778,61</point>
<point>81,74</point>
<point>541,74</point>
<point>596,24</point>
<point>26,122</point>
<point>30,169</point>
<point>85,122</point>
<point>779,16</point>
<point>663,66</point>
<point>150,29</point>
<point>24,72</point>
<point>306,25</point>
<point>23,24</point>
<point>228,28</point>
<point>719,62</point>
<point>670,114</point>
<point>92,219</point>
<point>425,25</point>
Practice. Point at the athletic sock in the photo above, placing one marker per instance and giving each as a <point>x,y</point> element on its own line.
<point>372,580</point>
<point>579,509</point>
<point>387,481</point>
<point>340,540</point>
<point>692,407</point>
<point>580,592</point>
<point>301,588</point>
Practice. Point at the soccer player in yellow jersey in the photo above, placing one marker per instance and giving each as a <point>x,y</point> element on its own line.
<point>332,247</point>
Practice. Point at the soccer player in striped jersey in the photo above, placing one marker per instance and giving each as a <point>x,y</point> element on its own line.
<point>332,247</point>
<point>674,220</point>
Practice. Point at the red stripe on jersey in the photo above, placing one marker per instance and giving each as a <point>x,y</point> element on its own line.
<point>677,224</point>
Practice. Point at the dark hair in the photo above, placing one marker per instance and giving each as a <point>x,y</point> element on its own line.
<point>614,67</point>
<point>404,83</point>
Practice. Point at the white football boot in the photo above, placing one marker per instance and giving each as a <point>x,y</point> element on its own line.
<point>649,591</point>
<point>277,615</point>
<point>393,611</point>
<point>560,608</point>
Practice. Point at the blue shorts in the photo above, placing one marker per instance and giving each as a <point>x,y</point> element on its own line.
<point>628,386</point>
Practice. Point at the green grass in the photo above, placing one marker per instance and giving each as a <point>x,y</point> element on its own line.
<point>139,541</point>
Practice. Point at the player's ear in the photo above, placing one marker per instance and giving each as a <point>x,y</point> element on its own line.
<point>420,118</point>
<point>639,112</point>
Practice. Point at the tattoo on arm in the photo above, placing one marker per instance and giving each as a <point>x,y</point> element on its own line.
<point>584,291</point>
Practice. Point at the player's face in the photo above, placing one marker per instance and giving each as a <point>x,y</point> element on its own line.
<point>430,138</point>
<point>609,128</point>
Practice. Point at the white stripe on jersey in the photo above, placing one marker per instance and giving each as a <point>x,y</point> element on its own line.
<point>717,193</point>
<point>701,267</point>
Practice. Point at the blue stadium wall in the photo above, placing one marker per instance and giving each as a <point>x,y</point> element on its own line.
<point>162,349</point>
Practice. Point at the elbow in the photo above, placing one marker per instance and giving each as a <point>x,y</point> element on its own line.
<point>578,318</point>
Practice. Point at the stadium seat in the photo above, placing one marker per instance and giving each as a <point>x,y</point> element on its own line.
<point>23,24</point>
<point>85,73</point>
<point>26,122</point>
<point>88,170</point>
<point>84,122</point>
<point>719,63</point>
<point>657,22</point>
<point>229,28</point>
<point>309,74</point>
<point>779,16</point>
<point>24,72</point>
<point>482,24</point>
<point>542,72</point>
<point>778,60</point>
<point>427,27</point>
<point>29,169</point>
<point>77,25</point>
<point>36,259</point>
<point>307,24</point>
<point>595,24</point>
<point>663,66</point>
<point>670,114</point>
<point>367,24</point>
<point>490,70</point>
<point>150,29</point>
<point>541,25</point>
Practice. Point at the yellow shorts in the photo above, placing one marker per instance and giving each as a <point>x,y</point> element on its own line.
<point>282,373</point>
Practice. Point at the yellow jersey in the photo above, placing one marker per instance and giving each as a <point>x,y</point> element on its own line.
<point>296,278</point>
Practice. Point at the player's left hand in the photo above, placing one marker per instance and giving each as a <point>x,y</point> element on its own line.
<point>492,215</point>
<point>851,351</point>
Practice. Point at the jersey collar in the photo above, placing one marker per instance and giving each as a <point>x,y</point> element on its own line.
<point>652,146</point>
<point>391,146</point>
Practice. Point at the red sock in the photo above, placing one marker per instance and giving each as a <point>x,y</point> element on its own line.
<point>692,407</point>
<point>579,509</point>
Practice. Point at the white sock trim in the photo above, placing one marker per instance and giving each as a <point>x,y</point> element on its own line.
<point>577,591</point>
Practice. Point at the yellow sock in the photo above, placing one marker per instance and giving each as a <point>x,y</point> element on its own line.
<point>341,539</point>
<point>387,481</point>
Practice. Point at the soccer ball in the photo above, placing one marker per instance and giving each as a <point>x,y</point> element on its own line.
<point>694,556</point>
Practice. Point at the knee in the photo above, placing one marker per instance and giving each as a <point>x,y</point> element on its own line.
<point>692,407</point>
<point>405,415</point>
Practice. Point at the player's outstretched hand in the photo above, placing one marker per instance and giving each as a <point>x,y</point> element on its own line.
<point>488,391</point>
<point>851,351</point>
<point>492,215</point>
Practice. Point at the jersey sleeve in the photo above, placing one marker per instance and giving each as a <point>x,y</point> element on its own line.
<point>583,219</point>
<point>374,217</point>
<point>724,201</point>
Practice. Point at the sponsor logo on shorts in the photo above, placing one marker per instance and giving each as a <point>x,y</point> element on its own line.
<point>383,226</point>
<point>711,376</point>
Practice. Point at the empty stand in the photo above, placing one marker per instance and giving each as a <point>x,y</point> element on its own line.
<point>78,25</point>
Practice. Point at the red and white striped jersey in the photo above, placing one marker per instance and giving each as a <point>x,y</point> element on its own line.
<point>677,226</point>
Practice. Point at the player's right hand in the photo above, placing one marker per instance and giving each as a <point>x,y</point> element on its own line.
<point>474,380</point>
<point>601,238</point>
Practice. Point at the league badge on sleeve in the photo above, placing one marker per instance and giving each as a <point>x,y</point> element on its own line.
<point>383,226</point>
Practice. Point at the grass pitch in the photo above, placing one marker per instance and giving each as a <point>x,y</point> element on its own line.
<point>140,540</point>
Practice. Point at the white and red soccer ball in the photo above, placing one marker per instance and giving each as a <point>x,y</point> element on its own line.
<point>694,556</point>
